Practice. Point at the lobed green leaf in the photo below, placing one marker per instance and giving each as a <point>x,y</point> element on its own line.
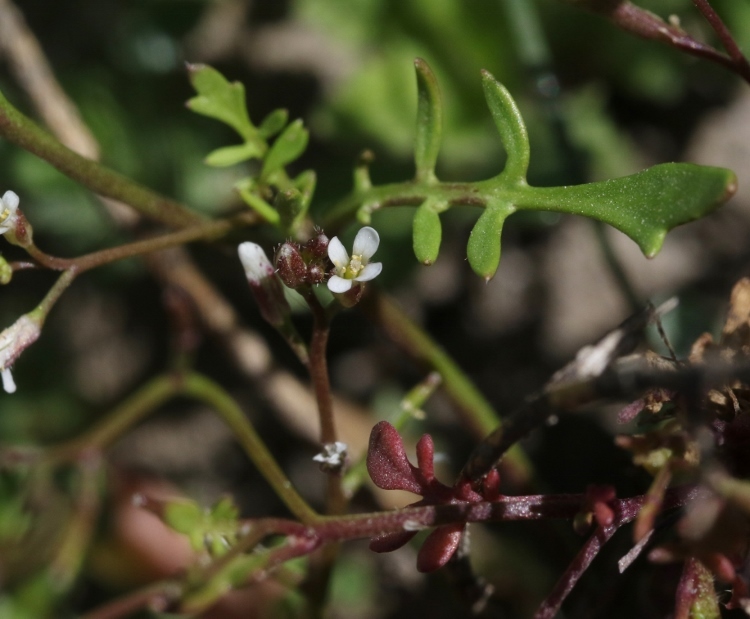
<point>287,147</point>
<point>429,122</point>
<point>511,127</point>
<point>273,123</point>
<point>427,231</point>
<point>483,249</point>
<point>220,99</point>
<point>231,155</point>
<point>646,205</point>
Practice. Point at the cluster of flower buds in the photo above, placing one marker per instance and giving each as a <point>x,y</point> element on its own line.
<point>303,265</point>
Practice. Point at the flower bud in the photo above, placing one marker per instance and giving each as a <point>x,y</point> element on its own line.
<point>264,284</point>
<point>13,341</point>
<point>317,247</point>
<point>291,266</point>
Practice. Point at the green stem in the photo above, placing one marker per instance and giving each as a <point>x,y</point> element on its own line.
<point>40,312</point>
<point>22,131</point>
<point>155,393</point>
<point>476,413</point>
<point>206,390</point>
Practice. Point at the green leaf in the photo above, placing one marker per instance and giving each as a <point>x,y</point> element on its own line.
<point>427,231</point>
<point>645,206</point>
<point>429,122</point>
<point>306,182</point>
<point>511,127</point>
<point>483,249</point>
<point>246,188</point>
<point>219,99</point>
<point>184,516</point>
<point>230,155</point>
<point>273,123</point>
<point>287,147</point>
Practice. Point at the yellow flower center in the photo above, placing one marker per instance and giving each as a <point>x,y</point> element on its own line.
<point>354,267</point>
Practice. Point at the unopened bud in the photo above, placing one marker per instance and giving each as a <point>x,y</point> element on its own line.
<point>265,285</point>
<point>13,341</point>
<point>317,247</point>
<point>291,266</point>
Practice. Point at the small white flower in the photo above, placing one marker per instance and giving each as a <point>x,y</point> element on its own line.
<point>8,211</point>
<point>255,262</point>
<point>13,341</point>
<point>358,268</point>
<point>333,456</point>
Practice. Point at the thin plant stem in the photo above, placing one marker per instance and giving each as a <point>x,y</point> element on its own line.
<point>742,67</point>
<point>155,393</point>
<point>321,567</point>
<point>475,411</point>
<point>209,230</point>
<point>206,390</point>
<point>22,131</point>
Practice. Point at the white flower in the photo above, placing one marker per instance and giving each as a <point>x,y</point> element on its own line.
<point>358,268</point>
<point>8,211</point>
<point>255,262</point>
<point>13,341</point>
<point>333,456</point>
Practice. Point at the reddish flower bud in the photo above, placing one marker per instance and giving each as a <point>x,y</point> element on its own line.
<point>291,266</point>
<point>317,247</point>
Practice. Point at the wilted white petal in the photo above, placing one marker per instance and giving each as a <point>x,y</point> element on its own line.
<point>339,284</point>
<point>8,384</point>
<point>337,253</point>
<point>366,243</point>
<point>371,271</point>
<point>255,262</point>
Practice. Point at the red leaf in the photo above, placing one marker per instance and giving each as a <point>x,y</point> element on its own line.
<point>439,547</point>
<point>390,541</point>
<point>387,463</point>
<point>425,455</point>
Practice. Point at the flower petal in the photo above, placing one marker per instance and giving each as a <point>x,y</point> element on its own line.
<point>8,384</point>
<point>255,262</point>
<point>366,243</point>
<point>337,253</point>
<point>11,200</point>
<point>371,271</point>
<point>339,284</point>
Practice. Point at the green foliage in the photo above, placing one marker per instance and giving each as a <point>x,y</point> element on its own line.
<point>645,206</point>
<point>214,530</point>
<point>224,101</point>
<point>429,122</point>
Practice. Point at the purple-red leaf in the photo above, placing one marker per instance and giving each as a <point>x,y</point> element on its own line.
<point>439,547</point>
<point>387,463</point>
<point>425,455</point>
<point>391,541</point>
